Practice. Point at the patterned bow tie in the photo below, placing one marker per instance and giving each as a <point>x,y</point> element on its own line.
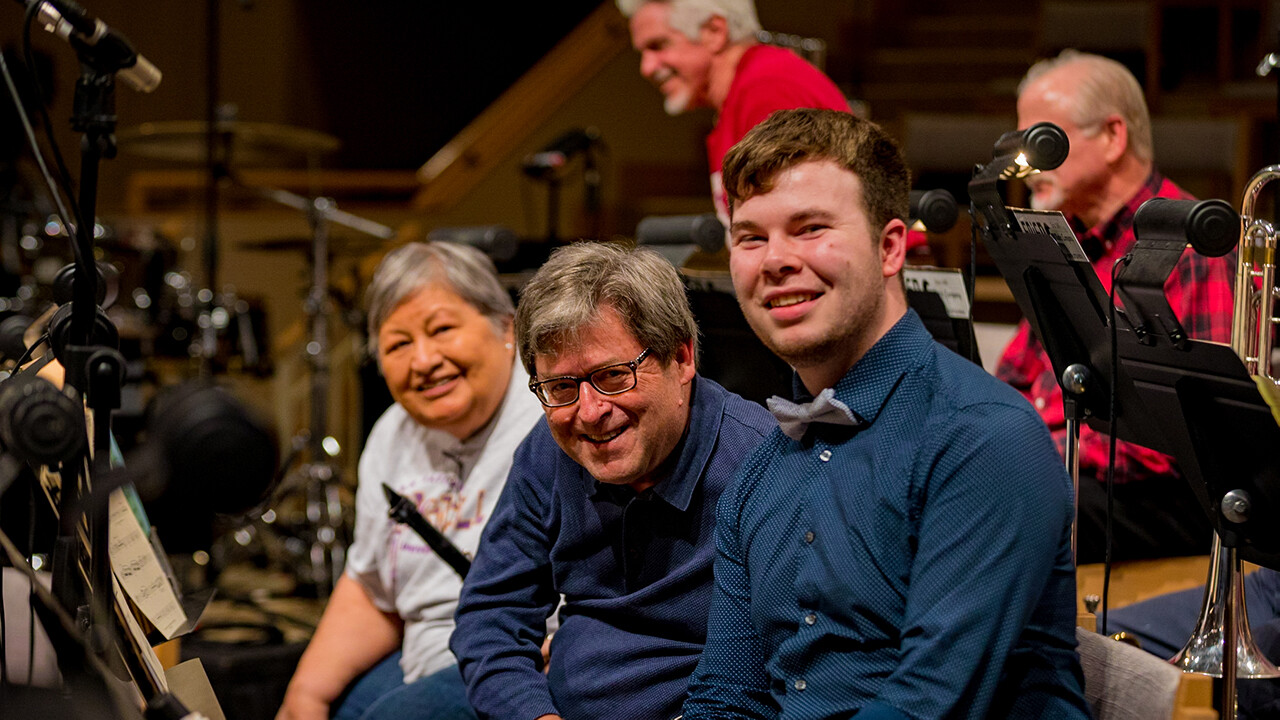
<point>795,418</point>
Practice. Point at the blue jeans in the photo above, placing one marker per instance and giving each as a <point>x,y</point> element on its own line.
<point>1165,623</point>
<point>381,694</point>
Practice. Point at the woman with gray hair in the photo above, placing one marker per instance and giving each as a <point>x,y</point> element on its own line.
<point>440,326</point>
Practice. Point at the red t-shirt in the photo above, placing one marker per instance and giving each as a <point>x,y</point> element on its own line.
<point>767,78</point>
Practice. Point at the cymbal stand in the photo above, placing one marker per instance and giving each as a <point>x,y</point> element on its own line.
<point>327,531</point>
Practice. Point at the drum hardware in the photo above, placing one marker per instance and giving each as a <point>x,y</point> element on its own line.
<point>1222,644</point>
<point>350,246</point>
<point>247,143</point>
<point>321,541</point>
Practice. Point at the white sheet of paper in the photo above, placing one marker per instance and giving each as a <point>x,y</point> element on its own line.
<point>147,654</point>
<point>946,282</point>
<point>139,571</point>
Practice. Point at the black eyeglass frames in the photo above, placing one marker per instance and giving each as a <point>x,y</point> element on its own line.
<point>608,380</point>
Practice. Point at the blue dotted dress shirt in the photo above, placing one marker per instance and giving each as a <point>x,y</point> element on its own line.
<point>634,569</point>
<point>915,566</point>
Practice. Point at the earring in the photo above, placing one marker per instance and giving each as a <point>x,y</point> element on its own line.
<point>508,346</point>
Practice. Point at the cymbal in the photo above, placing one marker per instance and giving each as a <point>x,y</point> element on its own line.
<point>358,245</point>
<point>249,143</point>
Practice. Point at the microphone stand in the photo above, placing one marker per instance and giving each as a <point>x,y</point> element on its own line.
<point>95,369</point>
<point>91,369</point>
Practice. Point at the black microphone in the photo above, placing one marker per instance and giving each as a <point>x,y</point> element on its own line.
<point>39,423</point>
<point>703,230</point>
<point>558,152</point>
<point>1212,227</point>
<point>404,512</point>
<point>74,24</point>
<point>207,451</point>
<point>499,242</point>
<point>13,331</point>
<point>1044,144</point>
<point>935,208</point>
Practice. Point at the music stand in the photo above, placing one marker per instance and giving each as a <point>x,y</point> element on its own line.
<point>1223,433</point>
<point>1062,298</point>
<point>1211,415</point>
<point>941,299</point>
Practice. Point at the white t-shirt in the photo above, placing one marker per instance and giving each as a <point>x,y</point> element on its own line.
<point>455,486</point>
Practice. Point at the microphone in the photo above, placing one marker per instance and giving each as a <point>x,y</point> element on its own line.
<point>404,512</point>
<point>207,451</point>
<point>1044,145</point>
<point>13,330</point>
<point>1212,227</point>
<point>499,242</point>
<point>40,424</point>
<point>703,230</point>
<point>74,24</point>
<point>559,151</point>
<point>935,208</point>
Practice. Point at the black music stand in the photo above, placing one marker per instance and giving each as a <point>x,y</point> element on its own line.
<point>1062,298</point>
<point>1224,435</point>
<point>940,297</point>
<point>1190,399</point>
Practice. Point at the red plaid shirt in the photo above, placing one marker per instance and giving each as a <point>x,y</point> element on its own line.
<point>1200,291</point>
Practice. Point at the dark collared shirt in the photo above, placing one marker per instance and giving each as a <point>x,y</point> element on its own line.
<point>634,569</point>
<point>918,566</point>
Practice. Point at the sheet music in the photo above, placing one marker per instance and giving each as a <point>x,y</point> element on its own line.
<point>1055,225</point>
<point>138,639</point>
<point>139,571</point>
<point>947,283</point>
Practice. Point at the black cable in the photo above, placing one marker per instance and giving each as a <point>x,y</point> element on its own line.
<point>68,186</point>
<point>49,180</point>
<point>4,635</point>
<point>68,629</point>
<point>973,277</point>
<point>26,354</point>
<point>31,592</point>
<point>1111,443</point>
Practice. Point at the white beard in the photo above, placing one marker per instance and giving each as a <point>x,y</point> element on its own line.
<point>677,103</point>
<point>1051,201</point>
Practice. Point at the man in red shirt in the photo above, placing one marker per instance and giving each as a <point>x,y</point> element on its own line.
<point>1108,174</point>
<point>704,54</point>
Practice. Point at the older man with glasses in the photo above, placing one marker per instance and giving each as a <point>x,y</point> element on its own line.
<point>610,503</point>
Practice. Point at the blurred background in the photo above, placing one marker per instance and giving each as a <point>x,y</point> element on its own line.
<point>414,117</point>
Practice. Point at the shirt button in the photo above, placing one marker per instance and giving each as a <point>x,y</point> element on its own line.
<point>810,619</point>
<point>809,536</point>
<point>1039,403</point>
<point>825,455</point>
<point>801,684</point>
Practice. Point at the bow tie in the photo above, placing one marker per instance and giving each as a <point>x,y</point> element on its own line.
<point>795,418</point>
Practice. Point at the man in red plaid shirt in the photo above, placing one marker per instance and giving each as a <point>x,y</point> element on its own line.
<point>1108,174</point>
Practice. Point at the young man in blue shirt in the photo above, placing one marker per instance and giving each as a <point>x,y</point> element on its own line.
<point>901,548</point>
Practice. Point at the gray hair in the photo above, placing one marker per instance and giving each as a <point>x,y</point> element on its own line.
<point>1105,87</point>
<point>568,292</point>
<point>409,268</point>
<point>688,16</point>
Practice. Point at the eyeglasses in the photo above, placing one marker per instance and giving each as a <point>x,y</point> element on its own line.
<point>608,380</point>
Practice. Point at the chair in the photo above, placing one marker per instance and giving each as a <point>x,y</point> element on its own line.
<point>1122,682</point>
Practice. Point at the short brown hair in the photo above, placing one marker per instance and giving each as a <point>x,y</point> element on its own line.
<point>570,289</point>
<point>790,137</point>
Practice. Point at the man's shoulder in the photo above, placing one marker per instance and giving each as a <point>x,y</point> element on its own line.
<point>538,458</point>
<point>1167,188</point>
<point>778,71</point>
<point>963,385</point>
<point>739,414</point>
